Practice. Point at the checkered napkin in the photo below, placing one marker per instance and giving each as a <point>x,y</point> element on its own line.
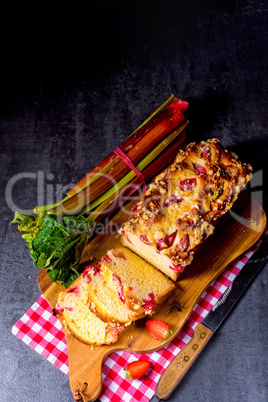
<point>42,331</point>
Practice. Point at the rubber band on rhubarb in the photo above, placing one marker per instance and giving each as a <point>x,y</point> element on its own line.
<point>128,162</point>
<point>150,165</point>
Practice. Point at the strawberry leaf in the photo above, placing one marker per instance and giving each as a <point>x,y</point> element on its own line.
<point>128,374</point>
<point>170,332</point>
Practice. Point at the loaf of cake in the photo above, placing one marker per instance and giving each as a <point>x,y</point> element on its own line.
<point>80,321</point>
<point>179,208</point>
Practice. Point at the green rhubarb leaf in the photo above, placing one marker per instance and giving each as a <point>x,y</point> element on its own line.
<point>28,225</point>
<point>58,246</point>
<point>55,245</point>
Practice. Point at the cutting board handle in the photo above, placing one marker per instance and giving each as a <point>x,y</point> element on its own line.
<point>85,369</point>
<point>79,393</point>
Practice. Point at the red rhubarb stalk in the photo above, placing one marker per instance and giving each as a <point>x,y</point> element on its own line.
<point>74,204</point>
<point>108,162</point>
<point>111,204</point>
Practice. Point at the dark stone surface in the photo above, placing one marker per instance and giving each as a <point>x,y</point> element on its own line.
<point>75,81</point>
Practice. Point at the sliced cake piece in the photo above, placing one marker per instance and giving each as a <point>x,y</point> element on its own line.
<point>177,212</point>
<point>104,300</point>
<point>138,284</point>
<point>80,321</point>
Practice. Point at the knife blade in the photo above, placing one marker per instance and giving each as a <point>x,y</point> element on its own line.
<point>204,330</point>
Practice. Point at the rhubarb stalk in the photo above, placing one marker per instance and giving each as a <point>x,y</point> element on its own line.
<point>168,108</point>
<point>113,202</point>
<point>140,166</point>
<point>85,197</point>
<point>108,162</point>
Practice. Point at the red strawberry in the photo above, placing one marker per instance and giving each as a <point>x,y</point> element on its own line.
<point>158,329</point>
<point>136,369</point>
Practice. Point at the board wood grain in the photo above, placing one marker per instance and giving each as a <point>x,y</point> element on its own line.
<point>235,233</point>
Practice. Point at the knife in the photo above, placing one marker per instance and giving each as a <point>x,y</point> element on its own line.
<point>204,330</point>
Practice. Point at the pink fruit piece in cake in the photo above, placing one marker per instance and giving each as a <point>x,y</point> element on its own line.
<point>177,267</point>
<point>166,241</point>
<point>120,287</point>
<point>205,153</point>
<point>90,270</point>
<point>107,259</point>
<point>199,169</point>
<point>150,304</point>
<point>188,184</point>
<point>145,239</point>
<point>172,200</point>
<point>74,289</point>
<point>183,244</point>
<point>61,310</point>
<point>116,330</point>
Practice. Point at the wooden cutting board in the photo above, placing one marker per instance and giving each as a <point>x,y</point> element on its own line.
<point>236,232</point>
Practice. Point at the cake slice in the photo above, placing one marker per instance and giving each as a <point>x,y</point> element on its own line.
<point>80,321</point>
<point>139,285</point>
<point>104,300</point>
<point>178,210</point>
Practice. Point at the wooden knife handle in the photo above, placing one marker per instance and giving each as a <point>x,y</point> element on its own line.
<point>181,363</point>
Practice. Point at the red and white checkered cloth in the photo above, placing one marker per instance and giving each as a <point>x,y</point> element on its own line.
<point>43,332</point>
